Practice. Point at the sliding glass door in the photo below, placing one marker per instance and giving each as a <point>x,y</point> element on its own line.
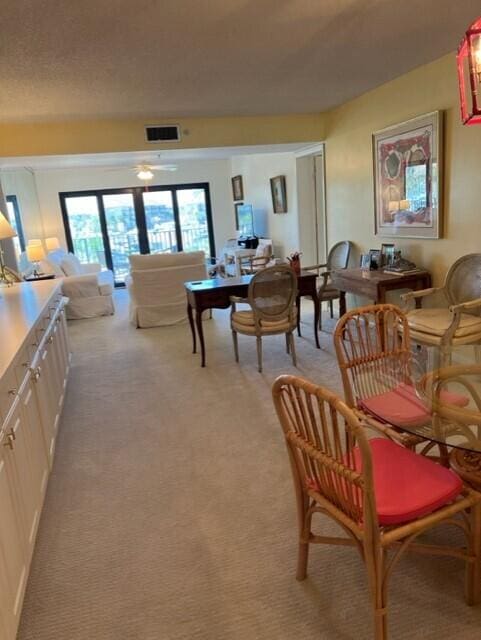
<point>123,236</point>
<point>108,225</point>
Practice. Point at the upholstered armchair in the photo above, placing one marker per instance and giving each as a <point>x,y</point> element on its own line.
<point>156,286</point>
<point>460,321</point>
<point>88,287</point>
<point>338,258</point>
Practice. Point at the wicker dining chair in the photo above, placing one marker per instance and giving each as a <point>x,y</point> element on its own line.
<point>271,295</point>
<point>381,494</point>
<point>459,323</point>
<point>338,258</point>
<point>375,362</point>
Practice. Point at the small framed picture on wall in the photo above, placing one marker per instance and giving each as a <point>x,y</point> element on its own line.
<point>237,188</point>
<point>279,195</point>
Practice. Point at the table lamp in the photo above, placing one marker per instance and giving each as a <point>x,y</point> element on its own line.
<point>52,243</point>
<point>35,253</point>
<point>6,231</point>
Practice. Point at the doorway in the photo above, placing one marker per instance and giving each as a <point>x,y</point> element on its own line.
<point>310,169</point>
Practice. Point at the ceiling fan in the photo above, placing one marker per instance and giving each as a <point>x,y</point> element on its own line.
<point>146,171</point>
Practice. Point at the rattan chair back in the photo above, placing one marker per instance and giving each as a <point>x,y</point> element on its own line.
<point>320,432</point>
<point>373,355</point>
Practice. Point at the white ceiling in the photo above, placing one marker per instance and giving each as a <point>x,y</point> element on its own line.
<point>61,59</point>
<point>131,158</point>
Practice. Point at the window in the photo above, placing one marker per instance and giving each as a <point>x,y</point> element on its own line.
<point>15,220</point>
<point>108,225</point>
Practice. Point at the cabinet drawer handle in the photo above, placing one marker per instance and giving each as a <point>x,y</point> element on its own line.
<point>50,340</point>
<point>12,433</point>
<point>36,373</point>
<point>12,392</point>
<point>9,441</point>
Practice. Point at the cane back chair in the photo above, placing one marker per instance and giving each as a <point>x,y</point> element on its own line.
<point>382,495</point>
<point>460,322</point>
<point>271,295</point>
<point>338,258</point>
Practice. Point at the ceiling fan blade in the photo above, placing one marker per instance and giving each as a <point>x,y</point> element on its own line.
<point>163,167</point>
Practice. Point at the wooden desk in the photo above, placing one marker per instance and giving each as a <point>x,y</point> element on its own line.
<point>216,293</point>
<point>375,284</point>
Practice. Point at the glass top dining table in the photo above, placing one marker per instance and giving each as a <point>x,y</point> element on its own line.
<point>448,387</point>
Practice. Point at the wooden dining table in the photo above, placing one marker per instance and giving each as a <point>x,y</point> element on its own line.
<point>216,294</point>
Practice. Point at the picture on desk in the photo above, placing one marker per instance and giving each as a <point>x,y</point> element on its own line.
<point>374,259</point>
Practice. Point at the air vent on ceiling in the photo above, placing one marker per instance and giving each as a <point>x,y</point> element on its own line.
<point>162,132</point>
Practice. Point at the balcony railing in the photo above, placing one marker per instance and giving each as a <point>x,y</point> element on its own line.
<point>91,248</point>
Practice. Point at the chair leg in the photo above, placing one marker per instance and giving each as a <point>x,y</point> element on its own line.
<point>320,315</point>
<point>236,345</point>
<point>473,569</point>
<point>259,353</point>
<point>287,343</point>
<point>304,532</point>
<point>293,349</point>
<point>375,571</point>
<point>331,308</point>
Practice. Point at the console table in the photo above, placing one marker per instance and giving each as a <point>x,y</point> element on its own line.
<point>216,293</point>
<point>375,284</point>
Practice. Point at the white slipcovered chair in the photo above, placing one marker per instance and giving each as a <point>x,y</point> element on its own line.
<point>88,287</point>
<point>156,286</point>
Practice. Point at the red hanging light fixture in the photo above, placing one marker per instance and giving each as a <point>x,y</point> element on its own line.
<point>469,74</point>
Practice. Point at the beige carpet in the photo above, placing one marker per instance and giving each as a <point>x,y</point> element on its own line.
<point>170,513</point>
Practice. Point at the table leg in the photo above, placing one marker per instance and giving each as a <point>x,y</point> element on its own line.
<point>342,303</point>
<point>192,327</point>
<point>315,300</point>
<point>467,464</point>
<point>200,331</point>
<point>298,307</point>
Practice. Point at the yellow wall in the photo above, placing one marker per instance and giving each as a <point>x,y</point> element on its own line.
<point>103,136</point>
<point>349,169</point>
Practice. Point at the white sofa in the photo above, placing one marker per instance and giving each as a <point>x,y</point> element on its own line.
<point>88,287</point>
<point>156,286</point>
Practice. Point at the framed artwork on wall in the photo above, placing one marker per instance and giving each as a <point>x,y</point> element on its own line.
<point>279,195</point>
<point>236,207</point>
<point>237,188</point>
<point>407,161</point>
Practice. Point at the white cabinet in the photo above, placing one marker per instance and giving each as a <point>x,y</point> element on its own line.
<point>13,558</point>
<point>32,390</point>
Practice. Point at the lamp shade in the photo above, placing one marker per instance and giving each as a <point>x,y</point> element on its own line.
<point>6,229</point>
<point>35,252</point>
<point>52,243</point>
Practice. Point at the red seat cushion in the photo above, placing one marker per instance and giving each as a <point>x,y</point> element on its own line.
<point>403,407</point>
<point>407,486</point>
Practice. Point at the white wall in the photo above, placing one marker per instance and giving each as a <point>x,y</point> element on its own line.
<point>21,183</point>
<point>256,170</point>
<point>50,182</point>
